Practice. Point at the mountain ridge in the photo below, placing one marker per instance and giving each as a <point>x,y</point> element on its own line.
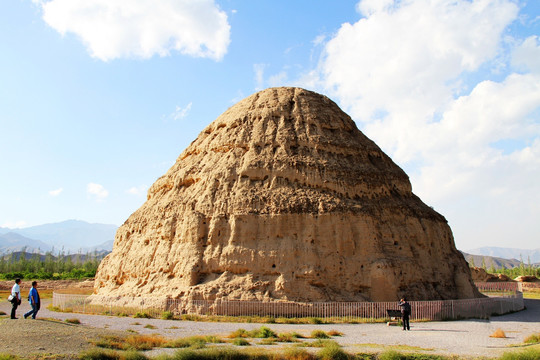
<point>68,236</point>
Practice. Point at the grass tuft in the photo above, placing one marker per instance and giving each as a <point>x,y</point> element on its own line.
<point>528,354</point>
<point>193,342</point>
<point>241,342</point>
<point>532,339</point>
<point>319,334</point>
<point>167,315</point>
<point>73,321</point>
<point>498,334</point>
<point>296,353</point>
<point>334,333</point>
<point>149,326</point>
<point>142,315</point>
<point>332,352</point>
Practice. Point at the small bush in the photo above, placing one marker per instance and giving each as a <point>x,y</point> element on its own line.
<point>532,339</point>
<point>133,355</point>
<point>167,315</point>
<point>335,333</point>
<point>142,315</point>
<point>263,332</point>
<point>240,333</point>
<point>268,341</point>
<point>213,339</point>
<point>241,342</point>
<point>296,353</point>
<point>319,334</point>
<point>2,314</point>
<point>99,354</point>
<point>189,317</point>
<point>319,343</point>
<point>332,352</point>
<point>528,354</point>
<point>498,334</point>
<point>73,321</point>
<point>8,357</point>
<point>315,320</point>
<point>193,342</point>
<point>287,337</point>
<point>149,326</point>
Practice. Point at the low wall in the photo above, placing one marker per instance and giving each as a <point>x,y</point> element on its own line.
<point>346,311</point>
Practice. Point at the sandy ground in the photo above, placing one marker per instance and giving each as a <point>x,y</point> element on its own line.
<point>467,338</point>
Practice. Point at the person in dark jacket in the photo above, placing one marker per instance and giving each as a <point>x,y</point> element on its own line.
<point>33,299</point>
<point>405,313</point>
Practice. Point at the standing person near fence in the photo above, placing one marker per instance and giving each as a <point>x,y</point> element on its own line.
<point>405,313</point>
<point>33,299</point>
<point>16,294</point>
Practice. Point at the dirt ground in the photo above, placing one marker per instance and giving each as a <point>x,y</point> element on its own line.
<point>49,284</point>
<point>36,338</point>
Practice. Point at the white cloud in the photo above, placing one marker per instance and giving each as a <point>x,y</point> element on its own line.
<point>137,190</point>
<point>112,29</point>
<point>96,191</point>
<point>181,112</point>
<point>259,75</point>
<point>527,55</point>
<point>56,192</point>
<point>416,75</point>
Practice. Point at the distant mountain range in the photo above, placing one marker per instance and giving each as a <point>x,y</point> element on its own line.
<point>71,236</point>
<point>508,253</point>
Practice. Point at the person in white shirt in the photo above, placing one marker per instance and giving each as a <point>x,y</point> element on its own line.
<point>16,293</point>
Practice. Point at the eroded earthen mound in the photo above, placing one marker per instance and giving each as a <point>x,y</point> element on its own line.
<point>282,197</point>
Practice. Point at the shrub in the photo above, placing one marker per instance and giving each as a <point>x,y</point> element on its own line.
<point>322,343</point>
<point>263,332</point>
<point>142,315</point>
<point>2,313</point>
<point>315,320</point>
<point>287,337</point>
<point>212,353</point>
<point>149,326</point>
<point>194,342</point>
<point>241,342</point>
<point>143,342</point>
<point>8,357</point>
<point>240,333</point>
<point>532,339</point>
<point>319,334</point>
<point>498,334</point>
<point>296,353</point>
<point>529,354</point>
<point>332,352</point>
<point>99,354</point>
<point>73,321</point>
<point>167,315</point>
<point>334,333</point>
<point>133,355</point>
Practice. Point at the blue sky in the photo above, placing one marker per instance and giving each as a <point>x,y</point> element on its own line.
<point>99,97</point>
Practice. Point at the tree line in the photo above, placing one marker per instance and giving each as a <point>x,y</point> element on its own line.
<point>26,265</point>
<point>521,270</point>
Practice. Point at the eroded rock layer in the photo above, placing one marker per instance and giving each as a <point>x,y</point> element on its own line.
<point>282,197</point>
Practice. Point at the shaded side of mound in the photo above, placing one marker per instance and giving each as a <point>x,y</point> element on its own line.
<point>282,197</point>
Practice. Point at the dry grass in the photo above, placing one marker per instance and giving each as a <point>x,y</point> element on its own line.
<point>73,321</point>
<point>532,339</point>
<point>498,334</point>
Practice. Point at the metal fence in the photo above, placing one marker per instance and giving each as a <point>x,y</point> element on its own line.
<point>328,311</point>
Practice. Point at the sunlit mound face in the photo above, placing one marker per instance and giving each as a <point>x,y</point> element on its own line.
<point>282,197</point>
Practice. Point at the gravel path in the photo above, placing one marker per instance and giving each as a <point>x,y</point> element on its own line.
<point>467,338</point>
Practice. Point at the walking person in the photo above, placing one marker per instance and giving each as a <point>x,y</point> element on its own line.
<point>33,299</point>
<point>16,293</point>
<point>405,313</point>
